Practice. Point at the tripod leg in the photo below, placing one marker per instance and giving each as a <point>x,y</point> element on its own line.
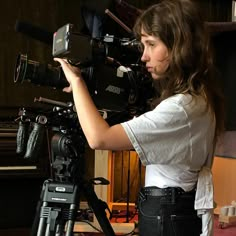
<point>35,225</point>
<point>36,220</point>
<point>99,209</point>
<point>42,223</point>
<point>60,229</point>
<point>70,222</point>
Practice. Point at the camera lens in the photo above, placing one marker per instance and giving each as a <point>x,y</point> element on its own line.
<point>38,73</point>
<point>20,68</point>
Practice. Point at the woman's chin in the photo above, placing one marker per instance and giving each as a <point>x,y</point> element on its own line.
<point>155,76</point>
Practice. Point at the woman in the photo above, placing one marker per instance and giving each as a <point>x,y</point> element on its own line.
<point>175,140</point>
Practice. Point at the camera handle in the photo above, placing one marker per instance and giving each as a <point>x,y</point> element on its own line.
<point>22,137</point>
<point>36,138</point>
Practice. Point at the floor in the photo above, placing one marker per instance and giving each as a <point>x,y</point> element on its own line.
<point>227,230</point>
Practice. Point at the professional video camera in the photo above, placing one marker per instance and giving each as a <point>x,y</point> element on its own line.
<point>110,66</point>
<point>120,88</point>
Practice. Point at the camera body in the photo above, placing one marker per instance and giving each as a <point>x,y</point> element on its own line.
<point>110,66</point>
<point>71,45</point>
<point>86,51</point>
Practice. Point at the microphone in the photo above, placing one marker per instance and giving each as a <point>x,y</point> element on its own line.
<point>34,32</point>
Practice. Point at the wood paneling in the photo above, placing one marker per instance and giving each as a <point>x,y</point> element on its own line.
<point>128,176</point>
<point>213,10</point>
<point>224,176</point>
<point>47,15</point>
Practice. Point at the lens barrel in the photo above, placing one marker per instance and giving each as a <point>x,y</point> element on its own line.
<point>38,73</point>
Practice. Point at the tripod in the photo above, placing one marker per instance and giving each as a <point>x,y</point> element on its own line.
<point>59,200</point>
<point>60,196</point>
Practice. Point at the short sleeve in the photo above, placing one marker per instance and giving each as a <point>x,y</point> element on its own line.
<point>161,136</point>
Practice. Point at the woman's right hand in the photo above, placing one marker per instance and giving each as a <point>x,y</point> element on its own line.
<point>72,73</point>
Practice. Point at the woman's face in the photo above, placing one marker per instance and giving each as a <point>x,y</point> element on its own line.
<point>155,54</point>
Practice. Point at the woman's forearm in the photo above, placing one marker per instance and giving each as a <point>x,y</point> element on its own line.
<point>96,130</point>
<point>91,121</point>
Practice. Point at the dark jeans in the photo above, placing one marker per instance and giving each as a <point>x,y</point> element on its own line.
<point>168,215</point>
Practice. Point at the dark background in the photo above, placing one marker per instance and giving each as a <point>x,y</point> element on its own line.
<point>50,15</point>
<point>20,191</point>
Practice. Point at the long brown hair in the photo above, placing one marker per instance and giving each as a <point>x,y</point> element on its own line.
<point>178,23</point>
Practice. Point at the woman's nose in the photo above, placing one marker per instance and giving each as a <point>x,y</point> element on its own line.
<point>145,57</point>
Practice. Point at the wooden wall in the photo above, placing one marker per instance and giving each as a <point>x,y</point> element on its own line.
<point>48,15</point>
<point>213,10</point>
<point>224,176</point>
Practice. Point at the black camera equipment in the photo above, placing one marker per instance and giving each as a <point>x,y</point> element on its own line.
<point>119,86</point>
<point>59,201</point>
<point>114,76</point>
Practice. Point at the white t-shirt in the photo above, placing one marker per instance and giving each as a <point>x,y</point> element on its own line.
<point>174,141</point>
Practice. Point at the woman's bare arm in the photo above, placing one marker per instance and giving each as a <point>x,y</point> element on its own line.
<point>96,130</point>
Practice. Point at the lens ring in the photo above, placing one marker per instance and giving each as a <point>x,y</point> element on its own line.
<point>25,66</point>
<point>20,68</point>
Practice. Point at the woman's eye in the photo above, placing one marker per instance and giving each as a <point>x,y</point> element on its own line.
<point>151,44</point>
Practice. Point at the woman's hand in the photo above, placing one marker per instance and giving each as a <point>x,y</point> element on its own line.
<point>97,131</point>
<point>72,73</point>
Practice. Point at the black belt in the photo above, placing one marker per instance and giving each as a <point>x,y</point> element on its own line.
<point>171,192</point>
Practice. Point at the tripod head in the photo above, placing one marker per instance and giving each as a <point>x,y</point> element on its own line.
<point>60,196</point>
<point>66,141</point>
